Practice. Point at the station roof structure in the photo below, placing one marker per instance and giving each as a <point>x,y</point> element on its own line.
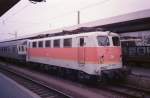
<point>135,21</point>
<point>131,22</point>
<point>5,5</point>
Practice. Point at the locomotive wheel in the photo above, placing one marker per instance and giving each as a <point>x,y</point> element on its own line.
<point>69,74</point>
<point>81,76</point>
<point>61,72</point>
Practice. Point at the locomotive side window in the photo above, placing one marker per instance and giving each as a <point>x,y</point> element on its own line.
<point>81,42</point>
<point>40,44</point>
<point>103,41</point>
<point>67,42</point>
<point>34,44</point>
<point>57,43</point>
<point>116,41</point>
<point>47,43</point>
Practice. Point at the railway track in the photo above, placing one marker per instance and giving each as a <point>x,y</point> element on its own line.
<point>127,90</point>
<point>140,76</point>
<point>121,91</point>
<point>35,86</point>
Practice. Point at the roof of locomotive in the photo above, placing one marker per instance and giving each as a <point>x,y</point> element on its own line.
<point>64,36</point>
<point>103,33</point>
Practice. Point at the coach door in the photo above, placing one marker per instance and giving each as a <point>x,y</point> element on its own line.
<point>81,50</point>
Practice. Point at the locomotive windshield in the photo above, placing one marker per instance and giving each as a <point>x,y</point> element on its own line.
<point>116,41</point>
<point>103,40</point>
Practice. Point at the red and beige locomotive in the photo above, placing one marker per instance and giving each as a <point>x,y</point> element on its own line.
<point>90,54</point>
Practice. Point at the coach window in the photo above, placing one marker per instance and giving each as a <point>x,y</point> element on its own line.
<point>47,43</point>
<point>103,41</point>
<point>34,44</point>
<point>40,44</point>
<point>57,43</point>
<point>8,49</point>
<point>4,49</point>
<point>67,42</point>
<point>19,48</point>
<point>22,48</point>
<point>14,48</point>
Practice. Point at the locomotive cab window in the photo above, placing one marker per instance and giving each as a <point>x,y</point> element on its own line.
<point>67,42</point>
<point>116,41</point>
<point>103,40</point>
<point>57,43</point>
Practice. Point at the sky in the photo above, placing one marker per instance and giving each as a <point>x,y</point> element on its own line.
<point>26,18</point>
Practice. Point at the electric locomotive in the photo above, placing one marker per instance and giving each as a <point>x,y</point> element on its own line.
<point>86,55</point>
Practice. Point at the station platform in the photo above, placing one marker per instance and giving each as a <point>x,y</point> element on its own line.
<point>141,71</point>
<point>10,89</point>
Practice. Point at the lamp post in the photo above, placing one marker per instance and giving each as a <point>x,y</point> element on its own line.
<point>78,17</point>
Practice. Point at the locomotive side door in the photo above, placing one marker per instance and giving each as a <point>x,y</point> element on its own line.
<point>81,50</point>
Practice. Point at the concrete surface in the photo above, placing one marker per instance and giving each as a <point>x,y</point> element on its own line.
<point>140,77</point>
<point>10,89</point>
<point>141,71</point>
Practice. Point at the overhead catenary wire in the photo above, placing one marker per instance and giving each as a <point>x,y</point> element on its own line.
<point>94,4</point>
<point>9,21</point>
<point>81,9</point>
<point>55,17</point>
<point>29,23</point>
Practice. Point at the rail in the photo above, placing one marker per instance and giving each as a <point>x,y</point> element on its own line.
<point>128,91</point>
<point>34,85</point>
